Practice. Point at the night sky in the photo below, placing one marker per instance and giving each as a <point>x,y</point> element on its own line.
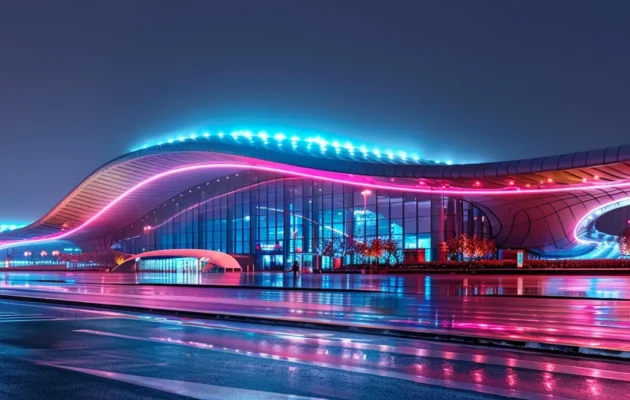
<point>82,82</point>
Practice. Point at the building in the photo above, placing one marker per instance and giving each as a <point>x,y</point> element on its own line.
<point>276,199</point>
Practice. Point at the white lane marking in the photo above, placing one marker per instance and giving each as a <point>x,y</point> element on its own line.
<point>194,390</point>
<point>544,366</point>
<point>361,370</point>
<point>567,366</point>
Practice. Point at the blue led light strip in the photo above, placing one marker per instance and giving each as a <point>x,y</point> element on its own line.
<point>315,145</point>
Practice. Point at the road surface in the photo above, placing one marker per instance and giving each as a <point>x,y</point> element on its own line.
<point>585,323</point>
<point>54,352</point>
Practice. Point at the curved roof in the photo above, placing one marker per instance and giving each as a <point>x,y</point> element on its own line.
<point>131,185</point>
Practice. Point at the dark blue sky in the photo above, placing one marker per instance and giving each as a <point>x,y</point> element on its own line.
<point>81,82</point>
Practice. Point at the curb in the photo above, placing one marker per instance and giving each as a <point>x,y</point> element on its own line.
<point>400,333</point>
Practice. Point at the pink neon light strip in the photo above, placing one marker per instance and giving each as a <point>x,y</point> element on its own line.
<point>304,173</point>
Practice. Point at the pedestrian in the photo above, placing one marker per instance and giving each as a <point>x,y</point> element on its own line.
<point>295,269</point>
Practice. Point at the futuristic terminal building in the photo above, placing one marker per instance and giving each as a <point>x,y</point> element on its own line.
<point>276,198</point>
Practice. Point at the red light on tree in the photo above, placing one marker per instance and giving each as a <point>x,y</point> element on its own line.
<point>624,244</point>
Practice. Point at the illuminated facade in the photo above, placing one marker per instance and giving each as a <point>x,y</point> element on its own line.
<point>279,219</point>
<point>279,198</point>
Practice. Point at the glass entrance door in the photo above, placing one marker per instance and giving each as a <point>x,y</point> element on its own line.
<point>272,262</point>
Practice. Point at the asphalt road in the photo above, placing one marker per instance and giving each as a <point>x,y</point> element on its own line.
<point>591,323</point>
<point>52,352</point>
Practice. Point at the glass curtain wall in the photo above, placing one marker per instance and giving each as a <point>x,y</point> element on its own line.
<point>281,219</point>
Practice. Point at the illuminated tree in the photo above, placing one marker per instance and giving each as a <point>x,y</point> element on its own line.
<point>392,250</point>
<point>474,248</point>
<point>338,247</point>
<point>377,248</point>
<point>624,244</point>
<point>362,249</point>
<point>485,249</point>
<point>374,249</point>
<point>119,258</point>
<point>328,249</point>
<point>457,247</point>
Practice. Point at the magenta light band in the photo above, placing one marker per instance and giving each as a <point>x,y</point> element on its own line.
<point>303,173</point>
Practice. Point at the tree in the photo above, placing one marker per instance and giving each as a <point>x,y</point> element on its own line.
<point>474,248</point>
<point>337,247</point>
<point>347,245</point>
<point>457,247</point>
<point>392,250</point>
<point>377,249</point>
<point>329,248</point>
<point>119,258</point>
<point>489,249</point>
<point>624,244</point>
<point>363,250</point>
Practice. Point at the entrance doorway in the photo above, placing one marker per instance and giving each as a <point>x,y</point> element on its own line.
<point>272,262</point>
<point>306,261</point>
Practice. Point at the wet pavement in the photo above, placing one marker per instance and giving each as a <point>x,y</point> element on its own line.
<point>57,352</point>
<point>604,287</point>
<point>587,323</point>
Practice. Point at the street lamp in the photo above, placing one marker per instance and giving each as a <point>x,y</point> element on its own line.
<point>365,193</point>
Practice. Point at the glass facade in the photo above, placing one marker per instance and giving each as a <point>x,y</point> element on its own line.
<point>177,265</point>
<point>278,219</point>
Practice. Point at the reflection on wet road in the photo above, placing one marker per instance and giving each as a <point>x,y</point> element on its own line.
<point>111,355</point>
<point>593,323</point>
<point>604,287</point>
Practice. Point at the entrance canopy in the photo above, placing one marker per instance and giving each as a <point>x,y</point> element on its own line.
<point>207,258</point>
